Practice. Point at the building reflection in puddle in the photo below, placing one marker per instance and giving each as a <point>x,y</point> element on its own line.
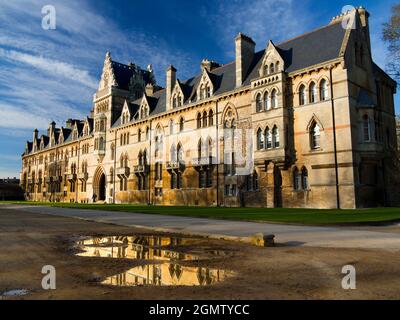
<point>134,247</point>
<point>167,274</point>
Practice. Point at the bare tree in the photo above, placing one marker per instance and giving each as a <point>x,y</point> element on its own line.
<point>391,35</point>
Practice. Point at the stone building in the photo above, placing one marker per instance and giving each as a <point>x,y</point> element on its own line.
<point>308,122</point>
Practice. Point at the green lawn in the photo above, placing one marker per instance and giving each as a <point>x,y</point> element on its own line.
<point>297,216</point>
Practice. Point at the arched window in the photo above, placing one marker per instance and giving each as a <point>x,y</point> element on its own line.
<point>304,179</point>
<point>211,118</point>
<point>271,68</point>
<point>179,153</point>
<point>260,139</point>
<point>268,139</point>
<point>101,144</point>
<point>199,148</point>
<point>205,119</point>
<point>140,158</point>
<point>208,91</point>
<point>366,129</point>
<point>277,66</point>
<point>267,101</point>
<point>202,92</point>
<point>139,135</point>
<point>313,92</point>
<point>145,157</point>
<point>126,160</point>
<point>302,95</point>
<point>274,103</point>
<point>323,90</point>
<point>181,124</point>
<point>147,133</point>
<point>296,179</point>
<point>210,148</point>
<point>315,134</point>
<point>275,137</point>
<point>266,69</point>
<point>174,101</point>
<point>198,118</point>
<point>259,105</point>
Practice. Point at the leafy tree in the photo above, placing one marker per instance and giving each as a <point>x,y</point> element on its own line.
<point>391,35</point>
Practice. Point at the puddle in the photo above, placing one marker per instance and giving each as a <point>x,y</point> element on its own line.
<point>15,292</point>
<point>139,247</point>
<point>167,274</point>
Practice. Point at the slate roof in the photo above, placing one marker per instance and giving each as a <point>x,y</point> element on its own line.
<point>292,51</point>
<point>123,74</point>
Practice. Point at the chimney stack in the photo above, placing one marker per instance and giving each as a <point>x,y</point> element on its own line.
<point>170,83</point>
<point>149,89</point>
<point>245,48</point>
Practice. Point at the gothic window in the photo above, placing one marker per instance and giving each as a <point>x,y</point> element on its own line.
<point>208,91</point>
<point>304,179</point>
<point>202,92</point>
<point>275,137</point>
<point>277,66</point>
<point>271,68</point>
<point>274,103</point>
<point>101,143</point>
<point>315,135</point>
<point>139,135</point>
<point>267,101</point>
<point>147,133</point>
<point>181,124</point>
<point>259,105</point>
<point>268,139</point>
<point>179,153</point>
<point>266,69</point>
<point>260,139</point>
<point>313,92</point>
<point>296,179</point>
<point>205,119</point>
<point>323,90</point>
<point>302,95</point>
<point>211,118</point>
<point>366,129</point>
<point>198,120</point>
<point>174,101</point>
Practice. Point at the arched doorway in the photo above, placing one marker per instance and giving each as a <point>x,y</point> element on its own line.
<point>99,184</point>
<point>102,188</point>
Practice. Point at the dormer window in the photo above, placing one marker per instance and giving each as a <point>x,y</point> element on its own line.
<point>144,111</point>
<point>205,88</point>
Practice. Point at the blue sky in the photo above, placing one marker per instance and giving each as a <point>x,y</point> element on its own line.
<point>50,75</point>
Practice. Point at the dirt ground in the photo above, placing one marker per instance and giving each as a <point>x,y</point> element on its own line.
<point>30,241</point>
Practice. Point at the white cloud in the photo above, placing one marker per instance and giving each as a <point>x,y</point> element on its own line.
<point>20,119</point>
<point>62,69</point>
